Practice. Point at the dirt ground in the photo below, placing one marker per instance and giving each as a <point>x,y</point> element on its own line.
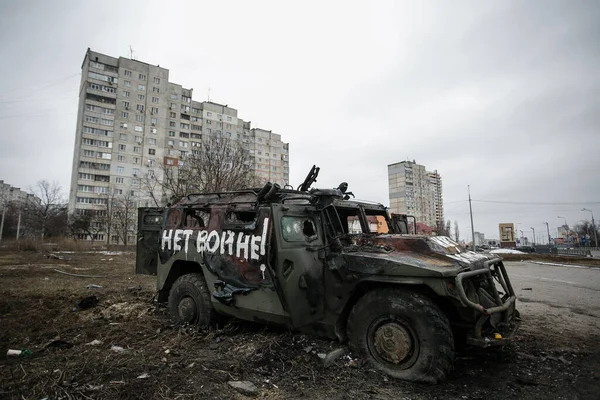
<point>161,361</point>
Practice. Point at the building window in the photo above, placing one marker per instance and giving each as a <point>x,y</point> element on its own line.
<point>184,126</point>
<point>120,169</point>
<point>172,124</point>
<point>124,114</point>
<point>155,99</point>
<point>209,114</point>
<point>172,133</point>
<point>154,110</point>
<point>137,149</point>
<point>127,73</point>
<point>172,114</point>
<point>127,83</point>
<point>152,141</point>
<point>152,152</point>
<point>228,118</point>
<point>139,128</point>
<point>173,96</point>
<point>121,158</point>
<point>141,87</point>
<point>126,105</point>
<point>139,118</point>
<point>153,121</point>
<point>157,80</point>
<point>135,171</point>
<point>183,144</point>
<point>126,93</point>
<point>140,107</point>
<point>123,136</point>
<point>122,147</point>
<point>170,142</point>
<point>123,125</point>
<point>142,77</point>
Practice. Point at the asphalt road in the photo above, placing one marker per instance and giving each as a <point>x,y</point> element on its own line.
<point>561,301</point>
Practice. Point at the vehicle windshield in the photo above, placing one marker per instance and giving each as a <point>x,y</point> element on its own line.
<point>347,220</point>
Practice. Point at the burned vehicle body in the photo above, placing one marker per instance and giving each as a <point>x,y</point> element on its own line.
<point>315,261</point>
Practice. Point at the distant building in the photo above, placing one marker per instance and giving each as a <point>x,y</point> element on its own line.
<point>479,239</point>
<point>415,191</point>
<point>132,120</point>
<point>10,194</point>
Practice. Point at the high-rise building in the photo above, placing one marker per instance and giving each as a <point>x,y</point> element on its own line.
<point>415,191</point>
<point>131,119</point>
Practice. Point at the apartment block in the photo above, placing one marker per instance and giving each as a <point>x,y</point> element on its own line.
<point>13,195</point>
<point>415,191</point>
<point>131,119</point>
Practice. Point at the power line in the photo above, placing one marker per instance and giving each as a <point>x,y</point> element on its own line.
<point>47,83</point>
<point>533,203</point>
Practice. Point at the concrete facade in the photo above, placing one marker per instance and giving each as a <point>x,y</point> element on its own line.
<point>10,194</point>
<point>131,119</point>
<point>415,191</point>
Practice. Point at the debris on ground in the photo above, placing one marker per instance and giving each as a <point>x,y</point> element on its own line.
<point>94,342</point>
<point>118,349</point>
<point>145,375</point>
<point>244,387</point>
<point>92,286</point>
<point>18,353</point>
<point>333,355</point>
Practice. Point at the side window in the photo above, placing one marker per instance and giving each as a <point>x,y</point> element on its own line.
<point>152,220</point>
<point>196,218</point>
<point>173,218</point>
<point>298,229</point>
<point>240,219</point>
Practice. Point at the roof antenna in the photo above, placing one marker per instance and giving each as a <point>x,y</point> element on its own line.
<point>208,94</point>
<point>131,52</point>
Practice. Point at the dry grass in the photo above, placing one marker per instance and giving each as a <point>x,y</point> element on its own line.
<point>36,308</point>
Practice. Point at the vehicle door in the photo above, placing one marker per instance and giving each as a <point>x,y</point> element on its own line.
<point>298,267</point>
<point>148,239</point>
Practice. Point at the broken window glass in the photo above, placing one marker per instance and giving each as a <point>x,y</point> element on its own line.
<point>298,229</point>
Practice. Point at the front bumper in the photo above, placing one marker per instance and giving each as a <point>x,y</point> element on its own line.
<point>498,319</point>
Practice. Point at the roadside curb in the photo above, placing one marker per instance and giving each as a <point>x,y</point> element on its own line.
<point>563,265</point>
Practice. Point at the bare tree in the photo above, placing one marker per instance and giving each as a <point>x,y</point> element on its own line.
<point>87,223</point>
<point>51,212</point>
<point>448,230</point>
<point>218,164</point>
<point>123,214</point>
<point>456,231</point>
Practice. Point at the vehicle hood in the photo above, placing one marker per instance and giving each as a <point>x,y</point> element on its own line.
<point>408,255</point>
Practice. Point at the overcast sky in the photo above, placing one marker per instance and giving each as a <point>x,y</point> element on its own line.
<point>503,96</point>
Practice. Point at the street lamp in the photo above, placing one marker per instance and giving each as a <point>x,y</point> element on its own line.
<point>533,236</point>
<point>548,228</point>
<point>566,226</point>
<point>593,226</point>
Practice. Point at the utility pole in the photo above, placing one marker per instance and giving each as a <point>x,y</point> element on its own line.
<point>533,236</point>
<point>2,223</point>
<point>19,224</point>
<point>549,238</point>
<point>593,226</point>
<point>471,212</point>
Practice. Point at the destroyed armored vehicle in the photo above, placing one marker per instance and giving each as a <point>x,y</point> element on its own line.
<point>317,261</point>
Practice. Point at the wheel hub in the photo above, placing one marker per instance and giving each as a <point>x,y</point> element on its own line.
<point>187,309</point>
<point>393,342</point>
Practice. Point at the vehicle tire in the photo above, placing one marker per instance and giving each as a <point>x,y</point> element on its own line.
<point>189,301</point>
<point>403,334</point>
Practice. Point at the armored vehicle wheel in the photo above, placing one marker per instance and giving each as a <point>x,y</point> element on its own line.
<point>189,300</point>
<point>403,334</point>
